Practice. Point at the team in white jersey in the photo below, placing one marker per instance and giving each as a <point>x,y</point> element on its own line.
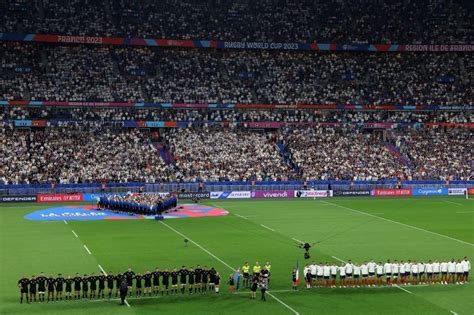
<point>371,274</point>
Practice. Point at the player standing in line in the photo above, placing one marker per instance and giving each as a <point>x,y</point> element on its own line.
<point>59,287</point>
<point>156,281</point>
<point>51,283</point>
<point>165,281</point>
<point>356,275</point>
<point>110,283</point>
<point>414,273</point>
<point>451,271</point>
<point>212,279</point>
<point>349,270</point>
<point>205,278</point>
<point>245,271</point>
<point>306,274</point>
<point>387,269</point>
<point>183,273</point>
<point>459,272</point>
<point>101,279</point>
<point>312,271</point>
<point>342,276</point>
<point>408,265</point>
<point>217,282</point>
<point>253,287</point>
<point>174,280</point>
<point>326,274</point>
<point>191,275</point>
<point>129,275</point>
<point>232,282</point>
<point>333,275</point>
<point>93,285</point>
<point>466,268</point>
<point>435,266</point>
<point>429,272</point>
<point>371,266</point>
<point>33,283</point>
<point>444,272</point>
<point>421,270</point>
<point>23,285</point>
<point>138,284</point>
<point>197,279</point>
<point>148,277</point>
<point>268,267</point>
<point>395,271</point>
<point>379,269</point>
<point>85,286</point>
<point>364,271</point>
<point>403,275</point>
<point>77,287</point>
<point>118,282</point>
<point>319,274</point>
<point>68,281</point>
<point>41,286</point>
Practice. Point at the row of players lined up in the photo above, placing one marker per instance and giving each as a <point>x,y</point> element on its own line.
<point>92,286</point>
<point>372,274</point>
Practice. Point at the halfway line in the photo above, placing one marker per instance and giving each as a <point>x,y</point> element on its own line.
<point>74,233</point>
<point>226,264</point>
<point>65,222</point>
<point>294,239</point>
<point>397,286</point>
<point>240,216</point>
<point>454,203</point>
<point>105,273</point>
<point>396,222</point>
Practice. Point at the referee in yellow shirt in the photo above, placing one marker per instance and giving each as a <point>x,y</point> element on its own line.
<point>245,271</point>
<point>257,269</point>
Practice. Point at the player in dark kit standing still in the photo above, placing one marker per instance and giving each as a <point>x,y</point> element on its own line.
<point>129,275</point>
<point>41,286</point>
<point>110,283</point>
<point>174,281</point>
<point>51,283</point>
<point>138,284</point>
<point>147,277</point>
<point>118,279</point>
<point>197,279</point>
<point>85,286</point>
<point>33,283</point>
<point>156,281</point>
<point>23,285</point>
<point>93,283</point>
<point>212,279</point>
<point>59,287</point>
<point>183,272</point>
<point>123,288</point>
<point>205,279</point>
<point>165,281</point>
<point>101,279</point>
<point>77,287</point>
<point>68,281</point>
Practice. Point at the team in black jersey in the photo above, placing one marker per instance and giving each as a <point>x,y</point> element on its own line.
<point>93,286</point>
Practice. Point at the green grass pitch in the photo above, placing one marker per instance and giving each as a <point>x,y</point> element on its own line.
<point>352,228</point>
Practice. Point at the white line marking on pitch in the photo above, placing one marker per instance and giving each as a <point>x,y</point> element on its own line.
<point>397,286</point>
<point>105,273</point>
<point>128,305</point>
<point>269,228</point>
<point>74,233</point>
<point>240,216</point>
<point>224,263</point>
<point>338,259</point>
<point>87,249</point>
<point>65,222</point>
<point>454,203</point>
<point>453,312</point>
<point>396,222</point>
<point>294,239</point>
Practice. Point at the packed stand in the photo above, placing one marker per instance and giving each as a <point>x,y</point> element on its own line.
<point>427,22</point>
<point>87,73</point>
<point>79,155</point>
<point>226,155</point>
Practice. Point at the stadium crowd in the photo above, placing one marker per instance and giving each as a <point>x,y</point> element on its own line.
<point>87,73</point>
<point>428,22</point>
<point>81,114</point>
